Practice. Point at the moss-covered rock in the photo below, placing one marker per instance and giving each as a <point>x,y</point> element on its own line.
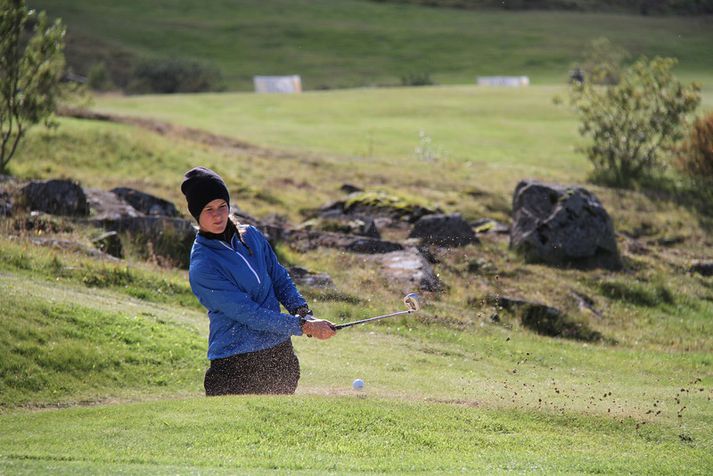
<point>382,204</point>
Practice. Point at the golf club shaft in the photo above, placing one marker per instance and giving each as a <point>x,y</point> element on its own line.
<point>349,324</point>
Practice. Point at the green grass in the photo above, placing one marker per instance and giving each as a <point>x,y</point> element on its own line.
<point>136,280</point>
<point>487,398</point>
<point>445,389</point>
<point>351,43</point>
<point>497,127</point>
<point>54,352</point>
<point>342,434</point>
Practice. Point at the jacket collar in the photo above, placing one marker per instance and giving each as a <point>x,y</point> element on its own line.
<point>214,244</point>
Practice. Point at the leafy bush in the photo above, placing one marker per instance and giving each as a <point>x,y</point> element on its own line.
<point>98,78</point>
<point>603,62</point>
<point>417,79</point>
<point>174,75</point>
<point>633,123</point>
<point>31,68</point>
<point>696,160</point>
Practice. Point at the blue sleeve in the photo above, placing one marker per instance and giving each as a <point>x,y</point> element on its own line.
<point>285,288</point>
<point>217,293</point>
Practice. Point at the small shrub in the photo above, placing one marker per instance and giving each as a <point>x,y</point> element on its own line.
<point>174,75</point>
<point>603,62</point>
<point>696,159</point>
<point>31,67</point>
<point>632,124</point>
<point>417,79</point>
<point>98,78</point>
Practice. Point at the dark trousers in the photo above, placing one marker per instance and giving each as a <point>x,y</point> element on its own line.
<point>270,371</point>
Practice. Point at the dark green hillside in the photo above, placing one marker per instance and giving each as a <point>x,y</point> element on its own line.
<point>348,43</point>
<point>644,7</point>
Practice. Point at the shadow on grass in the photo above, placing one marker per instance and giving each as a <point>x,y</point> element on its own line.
<point>695,196</point>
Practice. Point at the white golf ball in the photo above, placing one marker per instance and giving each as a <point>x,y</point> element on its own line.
<point>358,384</point>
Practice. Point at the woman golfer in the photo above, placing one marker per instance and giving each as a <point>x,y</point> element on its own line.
<point>235,274</point>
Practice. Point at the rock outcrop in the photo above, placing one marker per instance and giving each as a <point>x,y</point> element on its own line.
<point>444,230</point>
<point>562,226</point>
<point>56,197</point>
<point>146,203</point>
<point>409,269</point>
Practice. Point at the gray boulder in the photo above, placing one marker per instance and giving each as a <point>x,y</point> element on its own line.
<point>409,269</point>
<point>344,224</point>
<point>56,197</point>
<point>372,205</point>
<point>146,203</point>
<point>444,230</point>
<point>562,226</point>
<point>306,240</point>
<point>372,246</point>
<point>704,268</point>
<point>108,206</point>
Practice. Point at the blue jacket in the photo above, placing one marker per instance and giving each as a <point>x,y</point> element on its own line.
<point>243,292</point>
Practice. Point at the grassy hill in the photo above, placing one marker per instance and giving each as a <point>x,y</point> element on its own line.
<point>348,43</point>
<point>101,361</point>
<point>643,7</point>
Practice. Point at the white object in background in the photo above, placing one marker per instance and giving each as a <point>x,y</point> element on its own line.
<point>506,81</point>
<point>358,384</point>
<point>278,84</point>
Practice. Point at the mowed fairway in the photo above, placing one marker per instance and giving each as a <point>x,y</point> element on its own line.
<point>497,126</point>
<point>338,435</point>
<point>448,390</point>
<point>503,127</point>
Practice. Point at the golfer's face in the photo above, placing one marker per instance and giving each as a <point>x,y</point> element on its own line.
<point>214,216</point>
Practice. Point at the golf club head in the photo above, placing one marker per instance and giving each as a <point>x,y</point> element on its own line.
<point>412,302</point>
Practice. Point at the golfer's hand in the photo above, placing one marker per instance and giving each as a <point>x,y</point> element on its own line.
<point>318,328</point>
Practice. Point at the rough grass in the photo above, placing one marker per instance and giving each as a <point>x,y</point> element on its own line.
<point>446,389</point>
<point>349,43</point>
<point>54,352</point>
<point>137,280</point>
<point>484,397</point>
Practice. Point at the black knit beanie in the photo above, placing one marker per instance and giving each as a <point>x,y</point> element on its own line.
<point>201,186</point>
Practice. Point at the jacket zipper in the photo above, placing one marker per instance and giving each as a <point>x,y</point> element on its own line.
<point>243,257</point>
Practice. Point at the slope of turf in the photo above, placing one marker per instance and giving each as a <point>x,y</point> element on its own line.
<point>350,43</point>
<point>342,434</point>
<point>54,352</point>
<point>449,389</point>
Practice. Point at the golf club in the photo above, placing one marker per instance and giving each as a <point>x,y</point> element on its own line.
<point>412,303</point>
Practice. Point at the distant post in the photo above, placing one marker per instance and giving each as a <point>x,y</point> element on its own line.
<point>503,81</point>
<point>278,84</point>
